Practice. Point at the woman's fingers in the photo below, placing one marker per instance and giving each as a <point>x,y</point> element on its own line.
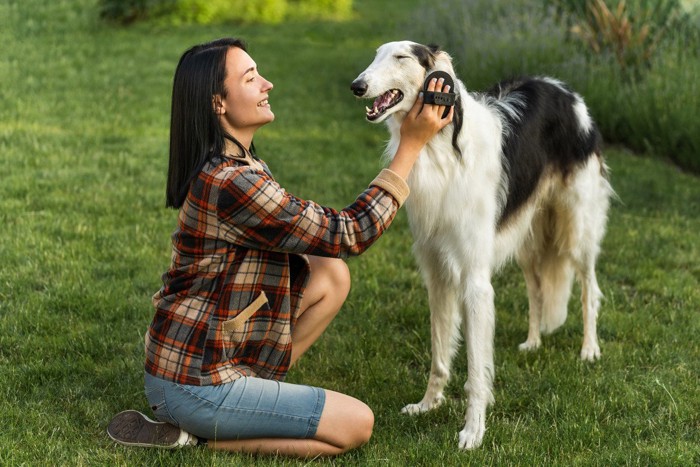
<point>429,119</point>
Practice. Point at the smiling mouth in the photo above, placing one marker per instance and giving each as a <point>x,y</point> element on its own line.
<point>264,103</point>
<point>383,103</point>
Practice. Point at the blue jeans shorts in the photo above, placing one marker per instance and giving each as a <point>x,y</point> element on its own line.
<point>244,409</point>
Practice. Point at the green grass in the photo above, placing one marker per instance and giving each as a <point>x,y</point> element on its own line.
<point>83,155</point>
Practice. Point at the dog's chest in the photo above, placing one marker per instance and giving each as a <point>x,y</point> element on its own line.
<point>437,195</point>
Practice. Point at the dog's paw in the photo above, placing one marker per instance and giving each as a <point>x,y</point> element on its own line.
<point>529,345</point>
<point>423,406</point>
<point>471,437</point>
<point>590,352</point>
<point>414,409</point>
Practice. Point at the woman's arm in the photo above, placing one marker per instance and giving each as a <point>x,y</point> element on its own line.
<point>254,211</point>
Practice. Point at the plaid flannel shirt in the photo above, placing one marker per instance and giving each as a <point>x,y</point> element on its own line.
<point>232,293</point>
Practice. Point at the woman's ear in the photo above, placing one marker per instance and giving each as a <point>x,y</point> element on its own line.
<point>217,105</point>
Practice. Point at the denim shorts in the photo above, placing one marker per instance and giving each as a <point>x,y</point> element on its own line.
<point>244,409</point>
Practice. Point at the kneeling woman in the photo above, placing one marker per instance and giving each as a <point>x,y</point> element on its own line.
<point>256,275</point>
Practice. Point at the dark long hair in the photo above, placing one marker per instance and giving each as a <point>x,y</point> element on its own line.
<point>195,132</point>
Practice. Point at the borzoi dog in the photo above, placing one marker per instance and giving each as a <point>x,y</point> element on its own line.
<point>519,173</point>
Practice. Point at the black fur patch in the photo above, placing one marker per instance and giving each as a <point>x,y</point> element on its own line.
<point>545,136</point>
<point>425,54</point>
<point>457,125</point>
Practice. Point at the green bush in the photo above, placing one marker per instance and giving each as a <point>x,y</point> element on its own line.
<point>630,32</point>
<point>656,114</point>
<point>329,9</point>
<point>649,105</point>
<point>217,11</point>
<point>124,11</point>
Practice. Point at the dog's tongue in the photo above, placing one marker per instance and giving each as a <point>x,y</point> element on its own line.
<point>383,100</point>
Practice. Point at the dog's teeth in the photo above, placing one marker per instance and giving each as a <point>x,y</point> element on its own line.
<point>368,109</point>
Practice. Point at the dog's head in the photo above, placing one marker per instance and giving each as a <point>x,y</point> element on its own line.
<point>396,76</point>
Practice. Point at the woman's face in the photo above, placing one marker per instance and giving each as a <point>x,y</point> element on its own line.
<point>245,107</point>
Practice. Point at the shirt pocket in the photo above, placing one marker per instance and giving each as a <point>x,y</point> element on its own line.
<point>239,330</point>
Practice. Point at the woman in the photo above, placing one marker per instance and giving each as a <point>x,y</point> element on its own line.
<point>256,275</point>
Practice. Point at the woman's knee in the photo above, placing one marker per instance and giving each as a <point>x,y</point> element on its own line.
<point>365,424</point>
<point>340,276</point>
<point>332,275</point>
<point>346,422</point>
<point>359,428</point>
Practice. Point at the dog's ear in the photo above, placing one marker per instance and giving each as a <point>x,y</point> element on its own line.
<point>425,54</point>
<point>442,61</point>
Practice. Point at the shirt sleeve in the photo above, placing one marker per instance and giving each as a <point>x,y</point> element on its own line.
<point>256,212</point>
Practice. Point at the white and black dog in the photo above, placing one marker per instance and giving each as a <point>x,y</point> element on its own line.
<point>519,173</point>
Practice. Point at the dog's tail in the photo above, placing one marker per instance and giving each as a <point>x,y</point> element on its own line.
<point>556,279</point>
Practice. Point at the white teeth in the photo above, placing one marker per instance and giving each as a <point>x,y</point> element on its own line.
<point>368,109</point>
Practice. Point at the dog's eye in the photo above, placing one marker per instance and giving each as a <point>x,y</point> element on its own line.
<point>401,57</point>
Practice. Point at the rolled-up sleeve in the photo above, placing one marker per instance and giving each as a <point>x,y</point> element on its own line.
<point>256,212</point>
<point>393,183</point>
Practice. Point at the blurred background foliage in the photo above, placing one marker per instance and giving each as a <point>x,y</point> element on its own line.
<point>218,11</point>
<point>636,62</point>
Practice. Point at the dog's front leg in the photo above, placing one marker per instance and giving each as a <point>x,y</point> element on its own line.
<point>479,334</point>
<point>444,330</point>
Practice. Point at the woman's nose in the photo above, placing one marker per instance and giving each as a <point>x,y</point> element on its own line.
<point>268,85</point>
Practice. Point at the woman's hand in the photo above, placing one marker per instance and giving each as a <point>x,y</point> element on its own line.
<point>422,123</point>
<point>425,120</point>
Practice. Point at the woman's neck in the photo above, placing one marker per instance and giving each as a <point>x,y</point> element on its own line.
<point>234,149</point>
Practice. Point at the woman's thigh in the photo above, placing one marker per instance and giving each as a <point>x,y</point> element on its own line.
<point>246,408</point>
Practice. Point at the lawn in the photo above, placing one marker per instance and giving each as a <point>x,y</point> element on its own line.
<point>83,156</point>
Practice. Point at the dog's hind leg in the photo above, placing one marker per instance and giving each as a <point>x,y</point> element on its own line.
<point>556,279</point>
<point>478,306</point>
<point>584,258</point>
<point>549,276</point>
<point>590,302</point>
<point>534,293</point>
<point>444,330</point>
<point>591,193</point>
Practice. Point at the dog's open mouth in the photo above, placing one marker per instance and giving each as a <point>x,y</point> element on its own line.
<point>384,103</point>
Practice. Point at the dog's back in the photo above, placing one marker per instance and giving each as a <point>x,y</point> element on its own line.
<point>547,128</point>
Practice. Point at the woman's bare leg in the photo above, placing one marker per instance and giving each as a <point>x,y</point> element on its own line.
<point>346,423</point>
<point>325,293</point>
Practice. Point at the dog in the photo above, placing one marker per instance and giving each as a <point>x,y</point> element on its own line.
<point>518,174</point>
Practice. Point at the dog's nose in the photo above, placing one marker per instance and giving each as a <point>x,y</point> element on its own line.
<point>359,87</point>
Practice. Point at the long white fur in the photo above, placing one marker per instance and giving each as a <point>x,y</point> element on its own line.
<point>453,210</point>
